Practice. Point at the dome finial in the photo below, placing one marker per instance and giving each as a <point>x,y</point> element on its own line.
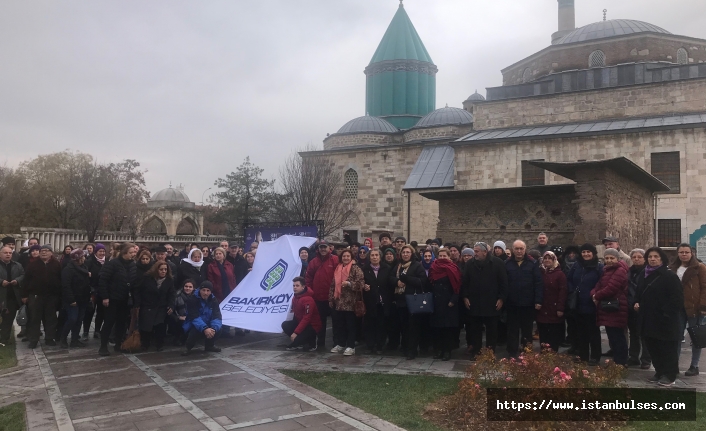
<point>170,184</point>
<point>401,4</point>
<point>605,12</point>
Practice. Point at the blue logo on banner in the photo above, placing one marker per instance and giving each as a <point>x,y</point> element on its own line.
<point>274,276</point>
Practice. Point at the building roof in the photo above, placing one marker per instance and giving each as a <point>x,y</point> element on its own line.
<point>434,169</point>
<point>604,127</point>
<point>610,28</point>
<point>476,97</point>
<point>445,116</point>
<point>460,194</point>
<point>401,41</point>
<point>368,124</point>
<point>170,195</point>
<point>621,165</point>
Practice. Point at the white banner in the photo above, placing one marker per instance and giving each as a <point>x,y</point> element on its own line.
<point>262,300</point>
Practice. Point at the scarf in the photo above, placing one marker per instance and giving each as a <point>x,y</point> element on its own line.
<point>650,269</point>
<point>375,269</point>
<point>159,282</point>
<point>101,261</point>
<point>339,276</point>
<point>427,266</point>
<point>401,269</point>
<point>191,262</point>
<point>446,268</point>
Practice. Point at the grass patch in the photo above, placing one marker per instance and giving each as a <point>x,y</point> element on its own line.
<point>398,399</point>
<point>700,423</point>
<point>8,359</point>
<point>12,417</point>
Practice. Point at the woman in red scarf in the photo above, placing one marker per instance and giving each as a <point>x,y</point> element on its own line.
<point>347,285</point>
<point>445,279</point>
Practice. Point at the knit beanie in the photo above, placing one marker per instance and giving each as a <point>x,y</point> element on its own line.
<point>468,252</point>
<point>77,254</point>
<point>589,247</point>
<point>98,246</point>
<point>500,244</point>
<point>611,252</point>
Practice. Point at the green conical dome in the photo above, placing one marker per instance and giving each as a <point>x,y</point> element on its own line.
<point>401,41</point>
<point>401,77</point>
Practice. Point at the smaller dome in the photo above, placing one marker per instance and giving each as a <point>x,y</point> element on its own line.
<point>444,117</point>
<point>368,124</point>
<point>170,195</point>
<point>610,28</point>
<point>476,97</point>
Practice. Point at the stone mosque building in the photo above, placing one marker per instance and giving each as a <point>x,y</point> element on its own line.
<point>603,132</point>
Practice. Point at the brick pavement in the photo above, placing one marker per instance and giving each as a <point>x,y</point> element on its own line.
<point>239,388</point>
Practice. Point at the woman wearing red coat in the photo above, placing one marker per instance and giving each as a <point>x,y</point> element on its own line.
<point>613,285</point>
<point>221,274</point>
<point>550,318</point>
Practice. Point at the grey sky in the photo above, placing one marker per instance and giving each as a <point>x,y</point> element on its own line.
<point>190,88</point>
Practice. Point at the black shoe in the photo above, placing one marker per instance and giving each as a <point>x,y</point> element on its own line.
<point>32,345</point>
<point>213,349</point>
<point>64,344</point>
<point>571,351</point>
<point>446,357</point>
<point>116,348</point>
<point>411,356</point>
<point>645,366</point>
<point>103,351</point>
<point>186,352</point>
<point>565,344</point>
<point>692,371</point>
<point>50,342</point>
<point>634,362</point>
<point>21,334</point>
<point>77,343</point>
<point>608,354</point>
<point>439,355</point>
<point>159,348</point>
<point>654,379</point>
<point>96,335</point>
<point>25,339</point>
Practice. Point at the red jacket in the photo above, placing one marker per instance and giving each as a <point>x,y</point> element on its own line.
<point>555,291</point>
<point>213,274</point>
<point>305,312</point>
<point>613,284</point>
<point>319,276</point>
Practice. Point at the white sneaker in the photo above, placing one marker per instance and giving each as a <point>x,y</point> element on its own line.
<point>349,352</point>
<point>337,349</point>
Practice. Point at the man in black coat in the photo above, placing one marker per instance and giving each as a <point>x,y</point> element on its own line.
<point>240,265</point>
<point>43,280</point>
<point>117,279</point>
<point>484,290</point>
<point>524,295</point>
<point>377,294</point>
<point>11,277</point>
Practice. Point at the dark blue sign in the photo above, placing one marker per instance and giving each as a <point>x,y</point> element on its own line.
<point>260,234</point>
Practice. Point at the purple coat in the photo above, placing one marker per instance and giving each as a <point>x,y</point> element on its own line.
<point>613,284</point>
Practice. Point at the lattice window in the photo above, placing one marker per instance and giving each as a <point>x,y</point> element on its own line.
<point>527,75</point>
<point>666,167</point>
<point>682,56</point>
<point>596,59</point>
<point>351,181</point>
<point>532,175</point>
<point>669,232</point>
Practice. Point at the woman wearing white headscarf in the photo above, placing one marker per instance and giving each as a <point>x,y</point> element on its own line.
<point>192,267</point>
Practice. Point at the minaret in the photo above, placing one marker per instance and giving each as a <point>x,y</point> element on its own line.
<point>567,19</point>
<point>401,77</point>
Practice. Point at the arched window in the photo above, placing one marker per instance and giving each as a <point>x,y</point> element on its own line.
<point>682,56</point>
<point>527,75</point>
<point>351,181</point>
<point>596,59</point>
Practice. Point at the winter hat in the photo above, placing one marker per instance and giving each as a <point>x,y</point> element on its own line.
<point>611,252</point>
<point>500,244</point>
<point>468,252</point>
<point>303,249</point>
<point>637,250</point>
<point>206,285</point>
<point>390,250</point>
<point>385,235</point>
<point>482,245</point>
<point>364,247</point>
<point>38,247</point>
<point>401,238</point>
<point>48,247</point>
<point>77,254</point>
<point>589,247</point>
<point>99,246</point>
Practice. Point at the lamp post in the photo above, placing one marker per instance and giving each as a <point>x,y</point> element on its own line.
<point>204,192</point>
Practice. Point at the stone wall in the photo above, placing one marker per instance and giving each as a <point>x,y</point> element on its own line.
<point>498,165</point>
<point>646,100</point>
<point>430,133</point>
<point>508,215</point>
<point>360,139</point>
<point>557,58</point>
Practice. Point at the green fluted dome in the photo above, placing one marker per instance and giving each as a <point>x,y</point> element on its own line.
<point>401,77</point>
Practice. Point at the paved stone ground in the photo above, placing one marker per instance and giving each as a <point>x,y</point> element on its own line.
<point>239,388</point>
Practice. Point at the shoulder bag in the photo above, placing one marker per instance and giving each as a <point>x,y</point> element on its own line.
<point>422,303</point>
<point>698,336</point>
<point>359,306</point>
<point>610,305</point>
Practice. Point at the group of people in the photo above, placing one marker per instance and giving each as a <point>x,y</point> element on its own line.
<point>171,293</point>
<point>643,301</point>
<point>375,295</point>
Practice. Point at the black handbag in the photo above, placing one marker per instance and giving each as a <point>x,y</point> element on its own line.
<point>572,300</point>
<point>610,305</point>
<point>422,303</point>
<point>698,336</point>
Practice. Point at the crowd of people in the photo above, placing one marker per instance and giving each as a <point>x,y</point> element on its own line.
<point>376,296</point>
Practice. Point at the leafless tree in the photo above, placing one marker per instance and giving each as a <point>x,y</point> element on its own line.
<point>93,188</point>
<point>312,188</point>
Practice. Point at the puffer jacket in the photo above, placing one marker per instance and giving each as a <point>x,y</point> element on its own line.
<point>348,294</point>
<point>524,283</point>
<point>75,284</point>
<point>612,285</point>
<point>319,275</point>
<point>694,283</point>
<point>202,314</point>
<point>117,279</point>
<point>16,273</point>
<point>305,311</point>
<point>555,291</point>
<point>583,277</point>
